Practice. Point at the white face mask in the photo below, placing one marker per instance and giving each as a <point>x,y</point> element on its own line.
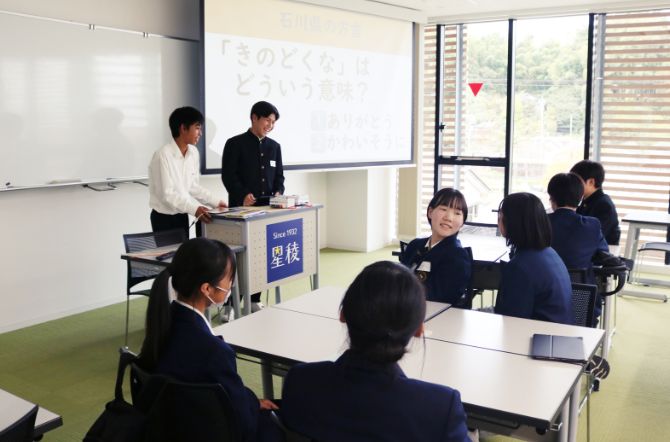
<point>227,291</point>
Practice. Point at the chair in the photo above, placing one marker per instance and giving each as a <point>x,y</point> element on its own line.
<point>577,275</point>
<point>179,411</point>
<point>183,411</point>
<point>656,246</point>
<point>584,302</point>
<point>139,272</point>
<point>22,430</point>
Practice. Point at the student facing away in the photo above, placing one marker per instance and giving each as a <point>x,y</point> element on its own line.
<point>535,283</point>
<point>576,238</point>
<point>597,203</point>
<point>439,260</point>
<point>364,395</point>
<point>179,341</point>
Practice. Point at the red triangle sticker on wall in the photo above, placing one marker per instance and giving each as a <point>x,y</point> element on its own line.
<point>475,87</point>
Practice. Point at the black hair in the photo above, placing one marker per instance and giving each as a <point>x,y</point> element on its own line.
<point>526,223</point>
<point>451,198</point>
<point>196,262</point>
<point>590,169</point>
<point>383,308</point>
<point>186,116</point>
<point>566,189</point>
<point>264,109</point>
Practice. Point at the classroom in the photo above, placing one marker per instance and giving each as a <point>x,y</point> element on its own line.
<point>487,98</point>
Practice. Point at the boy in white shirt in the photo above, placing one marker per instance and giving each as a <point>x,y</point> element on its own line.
<point>174,176</point>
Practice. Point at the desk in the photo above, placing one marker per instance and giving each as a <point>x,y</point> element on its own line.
<point>13,408</point>
<point>636,222</point>
<point>503,333</point>
<point>500,390</point>
<point>253,266</point>
<point>326,302</point>
<point>149,257</point>
<point>485,248</point>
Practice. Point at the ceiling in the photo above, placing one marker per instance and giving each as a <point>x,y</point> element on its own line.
<point>456,11</point>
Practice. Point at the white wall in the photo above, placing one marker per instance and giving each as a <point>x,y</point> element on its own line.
<point>61,246</point>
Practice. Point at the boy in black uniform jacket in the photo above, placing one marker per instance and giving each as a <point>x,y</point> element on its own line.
<point>252,170</point>
<point>596,203</point>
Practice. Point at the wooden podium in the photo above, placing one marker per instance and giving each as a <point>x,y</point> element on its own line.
<point>281,245</point>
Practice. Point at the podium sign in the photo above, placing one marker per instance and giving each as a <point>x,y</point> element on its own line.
<point>284,249</point>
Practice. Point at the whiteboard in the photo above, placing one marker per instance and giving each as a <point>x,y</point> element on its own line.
<point>86,105</point>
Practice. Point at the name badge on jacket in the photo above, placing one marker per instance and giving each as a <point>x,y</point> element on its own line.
<point>423,270</point>
<point>273,163</point>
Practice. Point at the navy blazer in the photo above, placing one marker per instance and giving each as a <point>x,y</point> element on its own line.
<point>193,354</point>
<point>576,239</point>
<point>450,267</point>
<point>599,205</point>
<point>250,165</point>
<point>535,284</point>
<point>356,400</point>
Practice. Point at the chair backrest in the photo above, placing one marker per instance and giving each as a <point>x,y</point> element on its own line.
<point>135,242</point>
<point>584,303</point>
<point>466,298</point>
<point>578,275</point>
<point>183,411</point>
<point>22,430</point>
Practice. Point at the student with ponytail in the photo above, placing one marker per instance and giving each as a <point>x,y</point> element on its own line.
<point>179,341</point>
<point>364,395</point>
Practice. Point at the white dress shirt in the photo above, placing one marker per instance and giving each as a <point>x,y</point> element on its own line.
<point>174,181</point>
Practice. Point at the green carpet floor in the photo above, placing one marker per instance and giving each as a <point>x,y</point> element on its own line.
<point>68,365</point>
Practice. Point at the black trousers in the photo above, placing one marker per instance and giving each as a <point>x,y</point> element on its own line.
<point>161,222</point>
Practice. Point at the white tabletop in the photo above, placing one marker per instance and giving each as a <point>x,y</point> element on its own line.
<point>497,381</point>
<point>287,334</point>
<point>502,333</point>
<point>484,247</point>
<point>326,302</point>
<point>12,408</point>
<point>648,217</point>
<point>532,389</point>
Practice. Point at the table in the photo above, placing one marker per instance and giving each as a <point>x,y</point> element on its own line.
<point>485,248</point>
<point>503,333</point>
<point>501,387</point>
<point>636,222</point>
<point>150,257</point>
<point>13,408</point>
<point>326,302</point>
<point>280,245</point>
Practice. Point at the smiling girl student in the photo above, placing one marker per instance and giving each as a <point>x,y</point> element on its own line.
<point>439,261</point>
<point>364,395</point>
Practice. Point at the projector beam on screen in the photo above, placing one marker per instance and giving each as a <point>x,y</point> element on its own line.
<point>342,81</point>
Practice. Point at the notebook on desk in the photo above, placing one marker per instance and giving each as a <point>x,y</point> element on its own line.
<point>558,348</point>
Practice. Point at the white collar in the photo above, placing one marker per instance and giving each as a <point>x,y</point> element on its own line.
<point>190,307</point>
<point>428,246</point>
<point>176,152</point>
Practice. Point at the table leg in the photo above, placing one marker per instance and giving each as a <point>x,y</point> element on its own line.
<point>266,377</point>
<point>607,324</point>
<point>236,297</point>
<point>565,419</point>
<point>573,421</point>
<point>247,303</point>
